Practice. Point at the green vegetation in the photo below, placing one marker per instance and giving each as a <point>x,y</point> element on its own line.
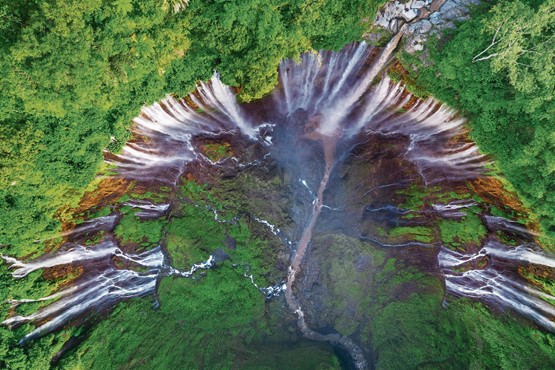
<point>193,233</point>
<point>546,282</point>
<point>468,230</point>
<point>220,310</point>
<point>216,152</point>
<point>414,197</point>
<point>506,91</point>
<point>464,335</point>
<point>37,354</point>
<point>419,233</point>
<point>73,76</point>
<point>131,230</point>
<point>217,322</point>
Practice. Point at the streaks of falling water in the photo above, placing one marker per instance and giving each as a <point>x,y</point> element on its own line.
<point>100,286</point>
<point>337,111</point>
<point>104,223</point>
<point>68,254</point>
<point>328,84</point>
<point>452,209</point>
<point>500,223</point>
<point>326,133</point>
<point>381,108</point>
<point>147,208</point>
<point>498,283</point>
<point>271,291</point>
<point>171,124</point>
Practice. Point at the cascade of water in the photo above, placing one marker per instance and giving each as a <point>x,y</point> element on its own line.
<point>271,291</point>
<point>494,283</point>
<point>147,208</point>
<point>100,291</point>
<point>169,126</point>
<point>72,253</point>
<point>104,223</point>
<point>197,266</point>
<point>346,104</point>
<point>452,209</point>
<point>335,114</point>
<point>101,285</point>
<point>493,248</point>
<point>500,223</point>
<point>335,86</point>
<point>97,288</point>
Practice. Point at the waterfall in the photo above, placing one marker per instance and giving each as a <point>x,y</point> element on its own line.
<point>498,282</point>
<point>101,285</point>
<point>166,129</point>
<point>340,96</point>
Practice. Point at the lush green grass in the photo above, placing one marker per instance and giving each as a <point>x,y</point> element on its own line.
<point>216,322</point>
<point>132,230</point>
<point>418,233</point>
<point>414,197</point>
<point>458,233</point>
<point>410,328</point>
<point>398,309</point>
<point>220,312</point>
<point>463,335</point>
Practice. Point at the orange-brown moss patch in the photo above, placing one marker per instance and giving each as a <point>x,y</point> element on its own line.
<point>492,190</point>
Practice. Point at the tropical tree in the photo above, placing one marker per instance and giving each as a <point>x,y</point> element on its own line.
<point>522,44</point>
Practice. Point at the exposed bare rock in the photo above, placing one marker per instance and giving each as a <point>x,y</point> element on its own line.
<point>425,18</point>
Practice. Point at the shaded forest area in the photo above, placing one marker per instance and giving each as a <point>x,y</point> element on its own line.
<point>75,73</point>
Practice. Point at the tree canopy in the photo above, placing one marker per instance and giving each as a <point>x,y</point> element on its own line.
<point>522,45</point>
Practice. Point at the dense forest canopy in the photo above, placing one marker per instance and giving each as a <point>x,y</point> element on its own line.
<point>75,73</point>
